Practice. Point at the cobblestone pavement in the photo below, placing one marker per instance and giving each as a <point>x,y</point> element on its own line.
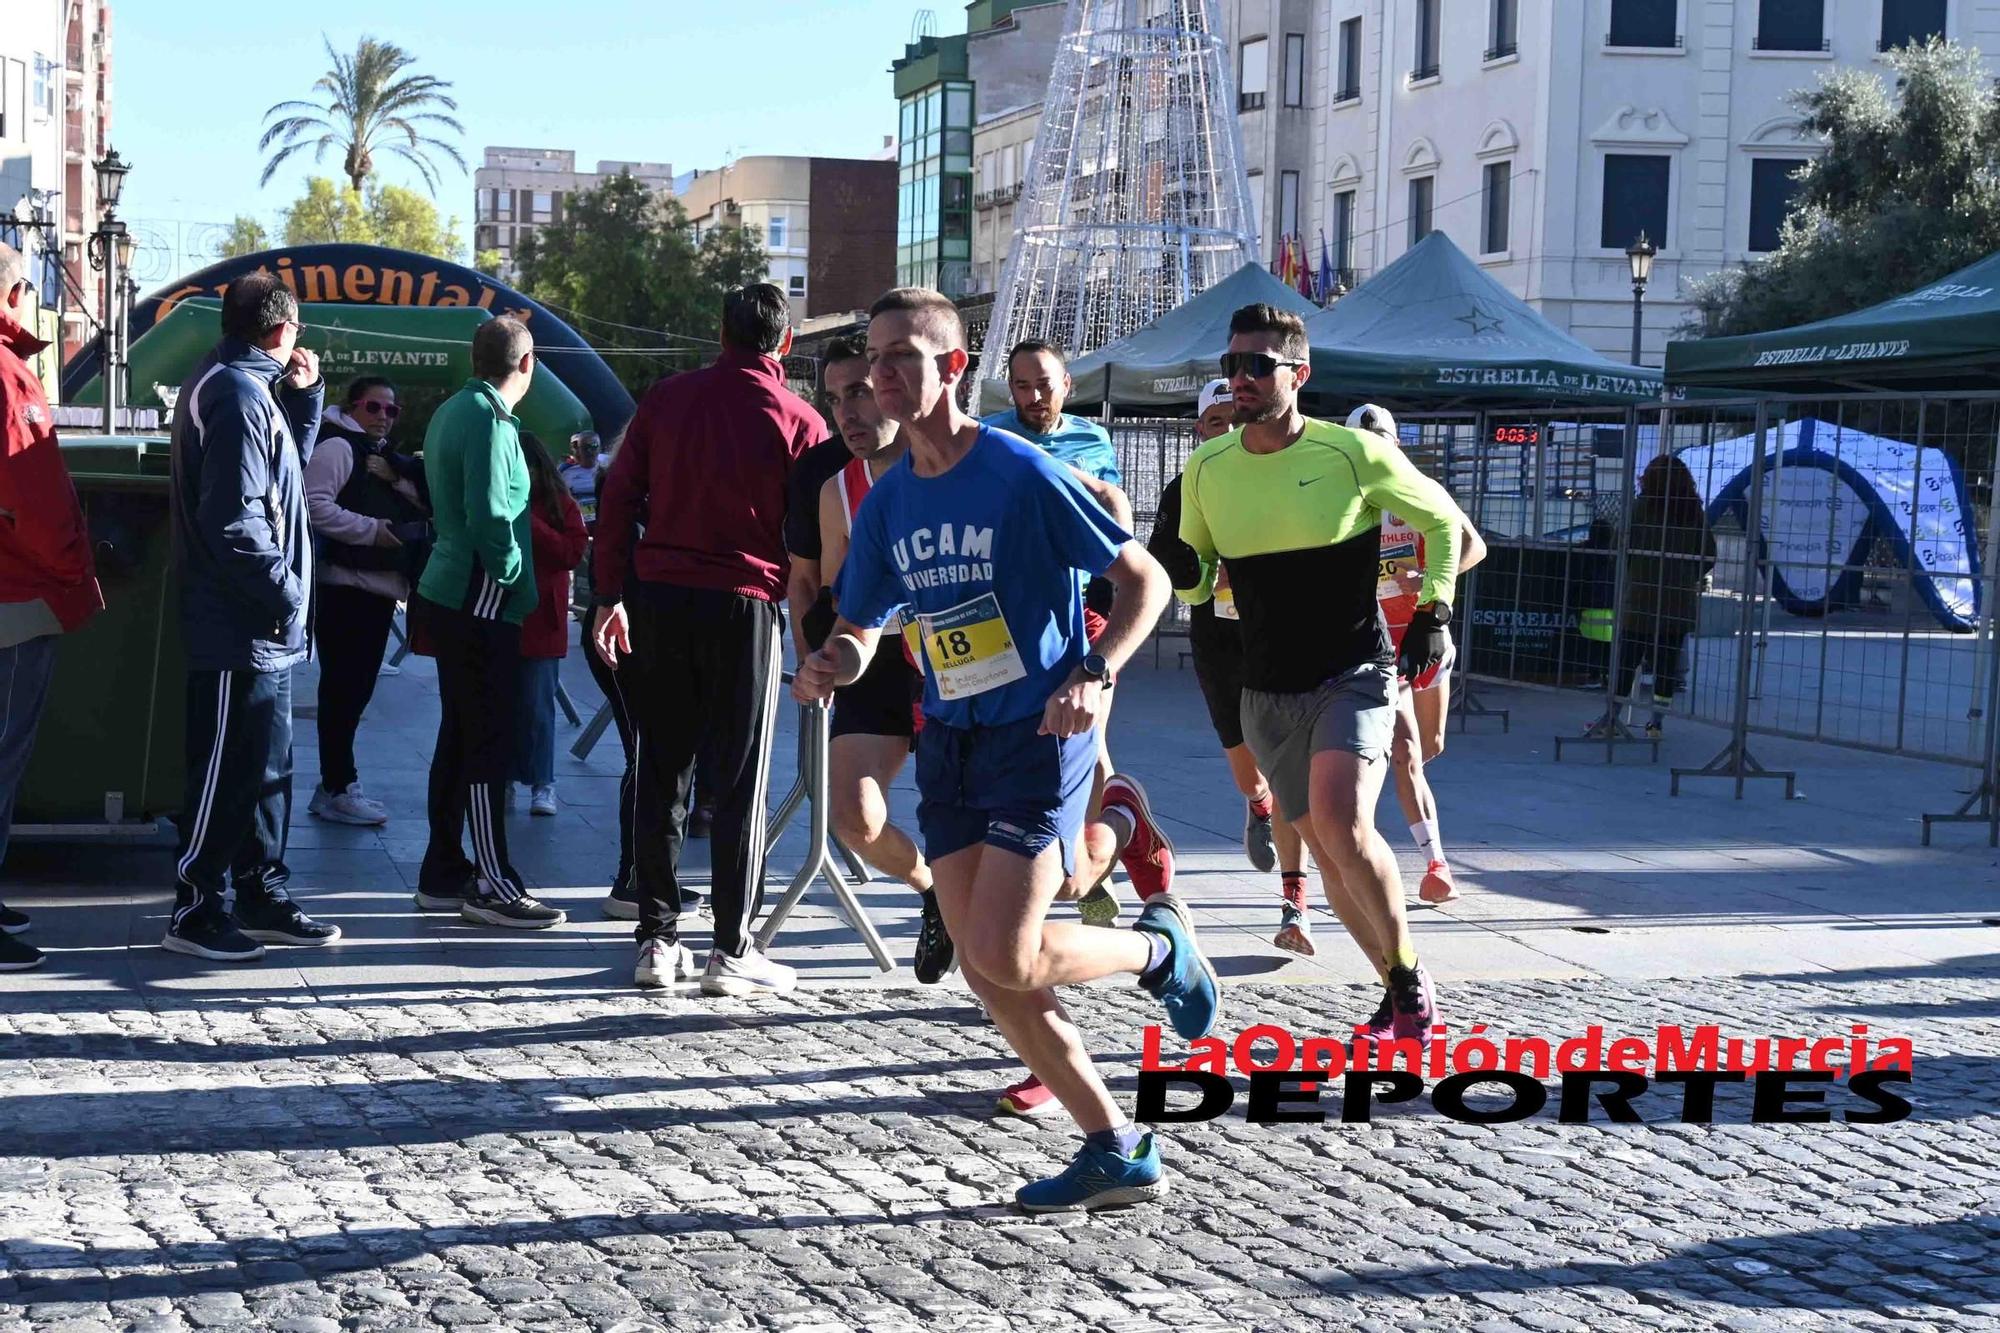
<point>506,1160</point>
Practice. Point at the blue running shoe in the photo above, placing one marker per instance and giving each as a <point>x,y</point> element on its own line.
<point>1184,983</point>
<point>1098,1178</point>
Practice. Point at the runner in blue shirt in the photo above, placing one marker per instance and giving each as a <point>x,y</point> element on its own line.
<point>1038,380</point>
<point>984,541</point>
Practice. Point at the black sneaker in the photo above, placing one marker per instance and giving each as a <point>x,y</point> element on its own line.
<point>11,921</point>
<point>275,919</point>
<point>934,950</point>
<point>522,913</point>
<point>17,955</point>
<point>442,898</point>
<point>622,903</point>
<point>211,937</point>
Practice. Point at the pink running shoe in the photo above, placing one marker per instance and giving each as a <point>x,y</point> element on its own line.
<point>1148,857</point>
<point>1437,886</point>
<point>1029,1097</point>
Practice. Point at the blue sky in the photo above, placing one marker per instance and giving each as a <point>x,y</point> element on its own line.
<point>670,80</point>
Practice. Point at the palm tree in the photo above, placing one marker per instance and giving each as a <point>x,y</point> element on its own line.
<point>371,105</point>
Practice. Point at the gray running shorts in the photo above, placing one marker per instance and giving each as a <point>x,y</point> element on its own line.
<point>1354,711</point>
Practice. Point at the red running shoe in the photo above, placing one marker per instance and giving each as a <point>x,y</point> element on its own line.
<point>1437,886</point>
<point>1029,1097</point>
<point>1148,857</point>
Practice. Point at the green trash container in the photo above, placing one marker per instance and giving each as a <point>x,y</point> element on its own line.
<point>108,754</point>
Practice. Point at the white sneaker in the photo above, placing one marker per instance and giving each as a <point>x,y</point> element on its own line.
<point>347,807</point>
<point>752,974</point>
<point>543,800</point>
<point>660,962</point>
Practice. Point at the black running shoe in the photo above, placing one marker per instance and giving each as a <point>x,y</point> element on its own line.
<point>934,950</point>
<point>522,913</point>
<point>11,921</point>
<point>17,955</point>
<point>212,937</point>
<point>273,918</point>
<point>622,903</point>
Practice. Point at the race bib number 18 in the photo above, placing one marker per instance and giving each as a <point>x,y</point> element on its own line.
<point>969,649</point>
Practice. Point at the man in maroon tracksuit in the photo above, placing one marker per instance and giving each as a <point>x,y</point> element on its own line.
<point>704,470</point>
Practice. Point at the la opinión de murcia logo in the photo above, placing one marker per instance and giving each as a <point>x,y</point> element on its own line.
<point>1793,1080</point>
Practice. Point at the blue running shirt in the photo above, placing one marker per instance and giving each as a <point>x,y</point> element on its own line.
<point>990,560</point>
<point>1084,445</point>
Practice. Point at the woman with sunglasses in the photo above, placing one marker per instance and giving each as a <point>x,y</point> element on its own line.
<point>370,519</point>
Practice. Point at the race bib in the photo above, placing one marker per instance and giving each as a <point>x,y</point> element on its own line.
<point>969,648</point>
<point>1225,596</point>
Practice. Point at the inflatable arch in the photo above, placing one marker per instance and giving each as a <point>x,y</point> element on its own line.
<point>1836,491</point>
<point>381,300</point>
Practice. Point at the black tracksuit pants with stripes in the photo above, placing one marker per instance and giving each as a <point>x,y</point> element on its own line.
<point>705,669</point>
<point>478,665</point>
<point>238,802</point>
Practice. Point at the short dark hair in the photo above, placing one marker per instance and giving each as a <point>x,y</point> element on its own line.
<point>1030,346</point>
<point>933,308</point>
<point>754,318</point>
<point>362,384</point>
<point>1262,318</point>
<point>256,303</point>
<point>498,346</point>
<point>848,347</point>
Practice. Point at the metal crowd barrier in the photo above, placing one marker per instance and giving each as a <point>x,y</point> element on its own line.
<point>811,790</point>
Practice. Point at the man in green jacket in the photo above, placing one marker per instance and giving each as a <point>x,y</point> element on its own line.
<point>474,594</point>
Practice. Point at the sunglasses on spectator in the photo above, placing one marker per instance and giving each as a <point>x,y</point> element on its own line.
<point>389,410</point>
<point>1257,365</point>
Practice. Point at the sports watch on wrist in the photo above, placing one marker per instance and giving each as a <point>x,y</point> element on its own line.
<point>1095,667</point>
<point>1440,611</point>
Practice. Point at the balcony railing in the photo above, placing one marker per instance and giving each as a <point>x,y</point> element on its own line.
<point>1005,194</point>
<point>1504,49</point>
<point>1758,43</point>
<point>1422,72</point>
<point>1347,95</point>
<point>1631,43</point>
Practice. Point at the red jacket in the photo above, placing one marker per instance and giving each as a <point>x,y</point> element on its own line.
<point>558,550</point>
<point>44,544</point>
<point>704,468</point>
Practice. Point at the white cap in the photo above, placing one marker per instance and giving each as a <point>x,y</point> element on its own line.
<point>1213,392</point>
<point>1369,417</point>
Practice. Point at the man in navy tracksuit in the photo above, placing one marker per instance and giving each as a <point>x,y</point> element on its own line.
<point>243,427</point>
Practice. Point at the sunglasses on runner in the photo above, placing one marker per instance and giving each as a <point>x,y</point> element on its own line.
<point>389,410</point>
<point>1257,365</point>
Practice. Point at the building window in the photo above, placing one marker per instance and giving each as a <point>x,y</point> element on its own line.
<point>1253,75</point>
<point>1288,203</point>
<point>544,205</point>
<point>1771,190</point>
<point>45,87</point>
<point>1643,23</point>
<point>1343,235</point>
<point>503,205</point>
<point>1422,190</point>
<point>1910,23</point>
<point>1635,199</point>
<point>1256,201</point>
<point>796,285</point>
<point>1350,61</point>
<point>1295,69</point>
<point>1425,65</point>
<point>1791,25</point>
<point>1497,198</point>
<point>775,229</point>
<point>1504,34</point>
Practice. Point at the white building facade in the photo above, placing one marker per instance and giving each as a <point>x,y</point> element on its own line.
<point>1544,135</point>
<point>518,191</point>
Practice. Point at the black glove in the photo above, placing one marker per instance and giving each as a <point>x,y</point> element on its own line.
<point>413,533</point>
<point>1425,644</point>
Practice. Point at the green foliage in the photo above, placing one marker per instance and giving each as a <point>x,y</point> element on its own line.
<point>386,215</point>
<point>370,103</point>
<point>625,256</point>
<point>488,262</point>
<point>1907,191</point>
<point>246,237</point>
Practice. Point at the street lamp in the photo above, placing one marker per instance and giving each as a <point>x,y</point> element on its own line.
<point>1640,255</point>
<point>111,252</point>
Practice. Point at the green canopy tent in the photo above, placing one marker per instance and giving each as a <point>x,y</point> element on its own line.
<point>1435,330</point>
<point>1940,337</point>
<point>415,346</point>
<point>1164,364</point>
